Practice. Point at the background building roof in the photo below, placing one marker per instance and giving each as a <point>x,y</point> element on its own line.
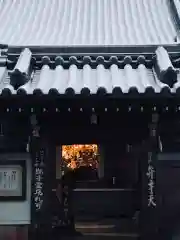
<point>88,22</point>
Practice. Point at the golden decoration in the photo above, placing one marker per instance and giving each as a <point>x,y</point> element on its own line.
<point>78,155</point>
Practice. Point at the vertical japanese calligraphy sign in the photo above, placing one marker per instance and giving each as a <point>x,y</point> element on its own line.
<point>38,155</point>
<point>151,167</point>
<point>148,214</point>
<point>151,180</point>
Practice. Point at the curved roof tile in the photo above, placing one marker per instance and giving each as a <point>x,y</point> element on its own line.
<point>81,77</point>
<point>86,81</point>
<point>86,22</point>
<point>76,81</point>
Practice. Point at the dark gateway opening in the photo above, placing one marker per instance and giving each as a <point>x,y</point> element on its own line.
<point>106,179</point>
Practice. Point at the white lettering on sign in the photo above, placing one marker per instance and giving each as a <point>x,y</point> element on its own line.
<point>151,182</point>
<point>39,177</point>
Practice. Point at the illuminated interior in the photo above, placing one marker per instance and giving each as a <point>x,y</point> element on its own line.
<point>78,155</point>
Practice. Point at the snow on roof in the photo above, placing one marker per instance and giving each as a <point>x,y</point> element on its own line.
<point>87,22</point>
<point>89,76</point>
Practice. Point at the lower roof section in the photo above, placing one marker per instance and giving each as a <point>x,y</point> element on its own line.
<point>90,76</point>
<point>88,81</point>
<point>88,22</point>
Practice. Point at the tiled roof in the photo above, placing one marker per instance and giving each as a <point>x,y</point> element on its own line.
<point>90,76</point>
<point>87,22</point>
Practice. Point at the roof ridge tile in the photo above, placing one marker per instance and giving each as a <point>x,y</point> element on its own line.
<point>164,68</point>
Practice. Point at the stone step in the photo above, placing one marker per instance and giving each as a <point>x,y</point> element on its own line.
<point>107,226</point>
<point>114,234</point>
<point>103,236</point>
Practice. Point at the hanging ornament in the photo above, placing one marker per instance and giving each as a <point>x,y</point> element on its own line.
<point>93,119</point>
<point>35,126</point>
<point>33,120</point>
<point>35,131</point>
<point>28,145</point>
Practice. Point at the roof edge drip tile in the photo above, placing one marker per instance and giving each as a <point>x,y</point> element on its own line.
<point>164,68</point>
<point>21,72</point>
<point>91,61</point>
<point>84,60</point>
<point>8,90</point>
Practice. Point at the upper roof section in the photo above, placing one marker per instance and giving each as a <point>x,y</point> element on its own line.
<point>88,22</point>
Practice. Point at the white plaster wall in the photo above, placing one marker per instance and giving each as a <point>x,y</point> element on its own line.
<point>12,213</point>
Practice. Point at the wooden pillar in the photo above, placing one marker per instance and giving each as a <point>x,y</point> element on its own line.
<point>41,184</point>
<point>101,162</point>
<point>58,162</point>
<point>149,199</point>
